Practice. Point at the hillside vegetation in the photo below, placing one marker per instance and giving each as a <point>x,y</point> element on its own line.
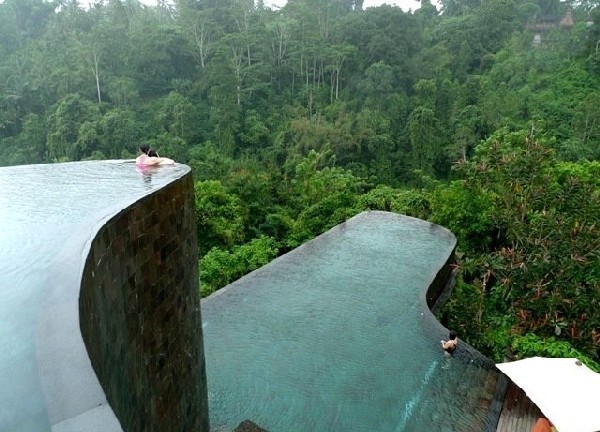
<point>481,116</point>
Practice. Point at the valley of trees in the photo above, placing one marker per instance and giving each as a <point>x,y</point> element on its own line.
<point>294,120</point>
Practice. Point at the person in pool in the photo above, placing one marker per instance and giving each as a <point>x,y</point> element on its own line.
<point>164,160</point>
<point>452,342</point>
<point>149,157</point>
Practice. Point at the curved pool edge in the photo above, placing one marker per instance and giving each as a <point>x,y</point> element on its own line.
<point>435,297</point>
<point>84,373</point>
<point>72,393</point>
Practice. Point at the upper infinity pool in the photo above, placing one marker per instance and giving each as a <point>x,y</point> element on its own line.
<point>48,216</point>
<point>336,336</point>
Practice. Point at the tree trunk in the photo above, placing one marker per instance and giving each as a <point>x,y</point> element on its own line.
<point>96,72</point>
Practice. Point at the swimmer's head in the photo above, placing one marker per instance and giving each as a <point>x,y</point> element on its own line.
<point>144,148</point>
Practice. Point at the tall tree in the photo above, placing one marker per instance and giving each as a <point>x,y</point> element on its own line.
<point>423,139</point>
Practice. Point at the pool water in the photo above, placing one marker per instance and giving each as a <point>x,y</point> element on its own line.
<point>336,336</point>
<point>46,212</point>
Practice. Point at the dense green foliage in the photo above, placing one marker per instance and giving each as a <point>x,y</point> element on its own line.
<point>294,120</point>
<point>540,270</point>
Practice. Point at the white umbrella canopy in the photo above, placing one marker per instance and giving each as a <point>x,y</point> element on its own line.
<point>564,389</point>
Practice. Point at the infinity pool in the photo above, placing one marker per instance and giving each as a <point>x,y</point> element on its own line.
<point>336,336</point>
<point>48,216</point>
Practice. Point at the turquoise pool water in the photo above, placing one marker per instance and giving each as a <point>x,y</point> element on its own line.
<point>336,336</point>
<point>47,212</point>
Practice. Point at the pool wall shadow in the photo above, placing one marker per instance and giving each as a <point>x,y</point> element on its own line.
<point>139,311</point>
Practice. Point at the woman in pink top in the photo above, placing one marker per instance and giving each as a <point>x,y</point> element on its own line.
<point>145,159</point>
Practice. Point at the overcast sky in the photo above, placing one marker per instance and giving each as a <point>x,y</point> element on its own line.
<point>404,4</point>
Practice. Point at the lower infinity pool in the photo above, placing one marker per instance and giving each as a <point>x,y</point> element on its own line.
<point>336,336</point>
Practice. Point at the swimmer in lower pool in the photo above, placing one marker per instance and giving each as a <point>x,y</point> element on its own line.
<point>146,159</point>
<point>450,345</point>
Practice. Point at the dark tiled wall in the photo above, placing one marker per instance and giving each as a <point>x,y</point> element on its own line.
<point>140,314</point>
<point>442,278</point>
